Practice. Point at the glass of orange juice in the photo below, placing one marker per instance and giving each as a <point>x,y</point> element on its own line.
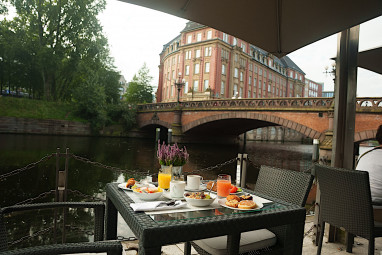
<point>223,185</point>
<point>164,178</point>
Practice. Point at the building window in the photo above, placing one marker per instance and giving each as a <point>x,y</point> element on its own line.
<point>241,76</point>
<point>250,80</point>
<point>199,37</point>
<point>241,92</point>
<point>173,74</point>
<point>189,39</point>
<point>196,85</point>
<point>196,69</point>
<point>236,75</point>
<point>223,69</point>
<point>260,71</point>
<point>235,90</point>
<point>188,54</point>
<point>222,88</point>
<point>186,87</point>
<point>172,90</point>
<point>207,67</point>
<point>250,67</point>
<point>207,51</point>
<point>209,34</point>
<point>205,85</point>
<point>236,58</point>
<point>225,37</point>
<point>254,82</point>
<point>197,53</point>
<point>243,46</point>
<point>234,41</point>
<point>187,71</point>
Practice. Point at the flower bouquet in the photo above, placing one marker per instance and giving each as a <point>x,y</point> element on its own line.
<point>171,155</point>
<point>172,160</point>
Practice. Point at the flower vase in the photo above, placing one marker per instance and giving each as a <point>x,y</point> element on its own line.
<point>176,171</point>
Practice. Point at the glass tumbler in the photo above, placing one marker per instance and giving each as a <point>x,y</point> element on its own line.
<point>223,185</point>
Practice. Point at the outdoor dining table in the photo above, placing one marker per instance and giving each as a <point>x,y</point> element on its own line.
<point>155,231</point>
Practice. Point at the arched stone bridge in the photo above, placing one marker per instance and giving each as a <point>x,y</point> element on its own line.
<point>228,118</point>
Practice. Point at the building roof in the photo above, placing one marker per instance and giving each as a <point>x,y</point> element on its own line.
<point>192,26</point>
<point>290,64</point>
<point>177,38</point>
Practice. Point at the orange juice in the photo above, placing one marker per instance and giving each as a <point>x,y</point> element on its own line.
<point>164,180</point>
<point>224,187</point>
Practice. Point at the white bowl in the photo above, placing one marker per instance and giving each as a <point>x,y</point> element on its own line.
<point>200,202</point>
<point>148,196</point>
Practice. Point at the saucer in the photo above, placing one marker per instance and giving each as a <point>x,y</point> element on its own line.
<point>201,188</point>
<point>166,194</point>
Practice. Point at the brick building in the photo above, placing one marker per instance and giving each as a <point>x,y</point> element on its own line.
<point>312,88</point>
<point>214,64</point>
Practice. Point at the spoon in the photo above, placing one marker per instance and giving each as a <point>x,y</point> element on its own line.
<point>212,186</point>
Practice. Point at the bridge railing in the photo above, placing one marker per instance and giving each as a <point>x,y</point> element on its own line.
<point>364,104</point>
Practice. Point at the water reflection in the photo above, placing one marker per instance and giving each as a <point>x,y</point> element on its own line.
<point>17,151</point>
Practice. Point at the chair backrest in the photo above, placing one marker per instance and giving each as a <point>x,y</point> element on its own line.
<point>287,185</point>
<point>346,199</point>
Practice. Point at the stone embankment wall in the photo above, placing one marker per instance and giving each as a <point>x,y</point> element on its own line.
<point>39,126</point>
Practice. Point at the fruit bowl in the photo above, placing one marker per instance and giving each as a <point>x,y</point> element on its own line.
<point>193,198</point>
<point>148,193</point>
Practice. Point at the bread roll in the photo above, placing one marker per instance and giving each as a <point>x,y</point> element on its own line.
<point>246,197</point>
<point>247,204</point>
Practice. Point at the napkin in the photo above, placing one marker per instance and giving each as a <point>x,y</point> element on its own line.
<point>155,206</point>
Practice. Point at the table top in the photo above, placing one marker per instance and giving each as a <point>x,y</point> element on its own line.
<point>157,230</point>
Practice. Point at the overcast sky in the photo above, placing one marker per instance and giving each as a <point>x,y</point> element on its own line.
<point>137,35</point>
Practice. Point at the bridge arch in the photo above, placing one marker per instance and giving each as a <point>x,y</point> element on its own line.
<point>309,132</point>
<point>154,122</point>
<point>365,135</point>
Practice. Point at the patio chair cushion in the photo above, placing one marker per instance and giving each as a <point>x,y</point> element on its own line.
<point>249,241</point>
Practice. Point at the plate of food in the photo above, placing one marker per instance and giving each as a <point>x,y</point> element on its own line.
<point>242,203</point>
<point>234,190</point>
<point>132,184</point>
<point>199,198</point>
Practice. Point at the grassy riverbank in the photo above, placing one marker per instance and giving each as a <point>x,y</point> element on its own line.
<point>37,109</point>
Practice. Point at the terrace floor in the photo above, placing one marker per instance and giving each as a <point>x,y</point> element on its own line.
<point>360,245</point>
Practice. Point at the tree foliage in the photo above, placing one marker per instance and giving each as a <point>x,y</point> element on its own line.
<point>140,89</point>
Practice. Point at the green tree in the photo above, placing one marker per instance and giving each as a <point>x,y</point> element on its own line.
<point>140,89</point>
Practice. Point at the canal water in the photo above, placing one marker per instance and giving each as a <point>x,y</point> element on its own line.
<point>130,155</point>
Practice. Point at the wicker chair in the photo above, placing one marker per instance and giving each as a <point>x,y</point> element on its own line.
<point>289,186</point>
<point>346,202</point>
<point>111,247</point>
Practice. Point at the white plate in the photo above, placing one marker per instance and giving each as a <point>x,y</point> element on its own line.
<point>123,186</point>
<point>222,203</point>
<point>166,194</point>
<point>201,188</point>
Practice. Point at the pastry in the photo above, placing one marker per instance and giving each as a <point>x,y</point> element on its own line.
<point>233,197</point>
<point>232,203</point>
<point>246,197</point>
<point>246,204</point>
<point>209,185</point>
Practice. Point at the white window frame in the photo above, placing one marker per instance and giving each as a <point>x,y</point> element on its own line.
<point>196,68</point>
<point>207,67</point>
<point>236,74</point>
<point>223,69</point>
<point>222,87</point>
<point>241,76</point>
<point>207,51</point>
<point>199,37</point>
<point>206,84</point>
<point>185,86</point>
<point>197,53</point>
<point>195,85</point>
<point>187,70</point>
<point>209,34</point>
<point>189,39</point>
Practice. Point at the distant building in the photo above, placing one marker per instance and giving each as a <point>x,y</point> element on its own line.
<point>312,88</point>
<point>328,94</point>
<point>124,85</point>
<point>217,65</point>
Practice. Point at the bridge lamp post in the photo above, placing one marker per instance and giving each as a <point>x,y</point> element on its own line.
<point>179,83</point>
<point>332,72</point>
